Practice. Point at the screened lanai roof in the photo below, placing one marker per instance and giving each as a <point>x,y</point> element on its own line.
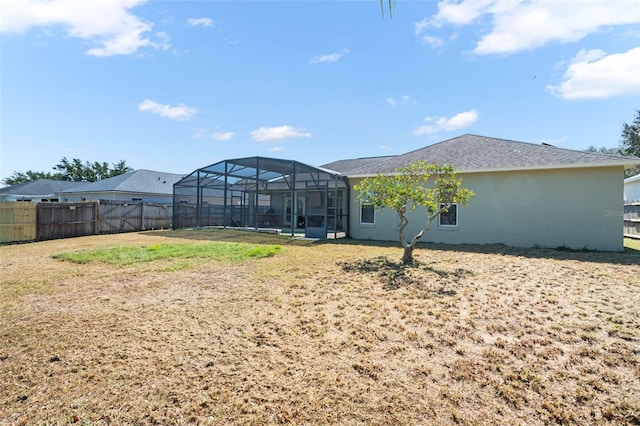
<point>261,172</point>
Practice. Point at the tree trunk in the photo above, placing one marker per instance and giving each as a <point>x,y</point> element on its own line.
<point>407,256</point>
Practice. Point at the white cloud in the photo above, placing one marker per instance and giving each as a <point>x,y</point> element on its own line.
<point>219,136</point>
<point>594,74</point>
<point>180,112</point>
<point>456,13</point>
<point>405,99</point>
<point>276,149</point>
<point>231,40</point>
<point>222,136</point>
<point>458,121</point>
<point>164,41</point>
<point>109,24</point>
<point>332,57</point>
<point>278,133</point>
<point>432,41</point>
<point>527,24</point>
<point>205,22</point>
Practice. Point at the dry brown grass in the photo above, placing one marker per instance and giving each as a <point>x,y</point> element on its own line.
<point>323,333</point>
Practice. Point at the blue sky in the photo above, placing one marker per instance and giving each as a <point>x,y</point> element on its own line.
<point>176,85</point>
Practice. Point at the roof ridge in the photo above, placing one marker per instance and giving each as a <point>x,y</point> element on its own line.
<point>381,159</point>
<point>470,152</point>
<point>542,144</point>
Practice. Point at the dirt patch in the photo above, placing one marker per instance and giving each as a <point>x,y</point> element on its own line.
<point>323,333</point>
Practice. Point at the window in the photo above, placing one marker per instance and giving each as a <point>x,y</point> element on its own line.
<point>367,214</point>
<point>450,217</point>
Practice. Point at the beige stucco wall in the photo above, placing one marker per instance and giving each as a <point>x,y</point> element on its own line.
<point>574,208</point>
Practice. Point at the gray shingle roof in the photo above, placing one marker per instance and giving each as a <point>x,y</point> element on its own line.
<point>44,187</point>
<point>145,181</point>
<point>480,153</point>
<point>345,166</point>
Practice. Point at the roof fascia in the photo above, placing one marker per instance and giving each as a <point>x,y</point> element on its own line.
<point>521,169</point>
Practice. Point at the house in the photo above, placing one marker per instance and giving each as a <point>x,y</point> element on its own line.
<point>632,189</point>
<point>136,186</point>
<point>526,195</point>
<point>39,190</point>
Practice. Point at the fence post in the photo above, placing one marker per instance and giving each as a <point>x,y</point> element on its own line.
<point>37,223</point>
<point>632,220</point>
<point>96,221</point>
<point>142,216</point>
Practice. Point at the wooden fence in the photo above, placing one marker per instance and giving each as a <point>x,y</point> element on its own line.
<point>25,221</point>
<point>117,216</point>
<point>632,220</point>
<point>17,221</point>
<point>62,220</point>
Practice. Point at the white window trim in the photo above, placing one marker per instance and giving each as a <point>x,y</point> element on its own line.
<point>446,226</point>
<point>360,214</point>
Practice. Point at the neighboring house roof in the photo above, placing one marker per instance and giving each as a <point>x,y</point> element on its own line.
<point>473,153</point>
<point>38,188</point>
<point>145,181</point>
<point>635,178</point>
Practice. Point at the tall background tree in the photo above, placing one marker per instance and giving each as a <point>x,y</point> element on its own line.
<point>604,150</point>
<point>630,142</point>
<point>410,188</point>
<point>74,170</point>
<point>390,7</point>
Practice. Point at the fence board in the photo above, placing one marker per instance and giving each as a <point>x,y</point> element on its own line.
<point>157,216</point>
<point>119,216</point>
<point>17,221</point>
<point>64,220</point>
<point>632,220</point>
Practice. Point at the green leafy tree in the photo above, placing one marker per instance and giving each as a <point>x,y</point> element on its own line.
<point>29,175</point>
<point>630,142</point>
<point>411,187</point>
<point>77,171</point>
<point>74,170</point>
<point>119,168</point>
<point>603,150</point>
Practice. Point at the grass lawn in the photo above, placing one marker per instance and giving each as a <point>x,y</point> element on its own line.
<point>631,245</point>
<point>302,332</point>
